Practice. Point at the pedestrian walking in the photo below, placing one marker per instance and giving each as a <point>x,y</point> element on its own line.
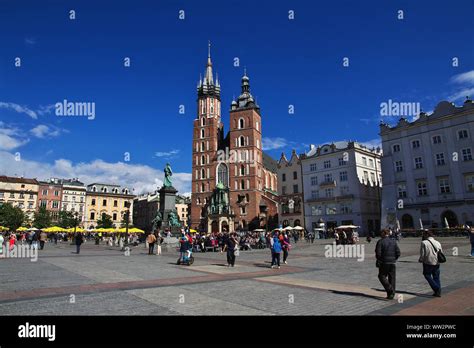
<point>151,239</point>
<point>276,250</point>
<point>159,241</point>
<point>286,248</point>
<point>471,237</point>
<point>1,244</point>
<point>42,239</point>
<point>79,240</point>
<point>387,253</point>
<point>231,247</point>
<point>429,257</point>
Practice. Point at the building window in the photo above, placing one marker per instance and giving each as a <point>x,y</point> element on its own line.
<point>243,210</point>
<point>341,161</point>
<point>415,144</point>
<point>45,192</point>
<point>443,184</point>
<point>329,192</point>
<point>283,190</point>
<point>316,210</point>
<point>295,188</point>
<point>327,177</point>
<point>92,216</point>
<point>114,216</point>
<point>295,175</point>
<point>372,177</point>
<point>327,164</point>
<point>366,176</point>
<point>115,203</point>
<point>346,208</point>
<point>343,176</point>
<point>396,148</point>
<point>43,204</point>
<point>104,202</point>
<point>440,159</point>
<point>314,180</point>
<point>364,161</point>
<point>422,189</point>
<point>418,163</point>
<point>93,201</point>
<point>401,191</point>
<point>344,190</point>
<point>469,180</point>
<point>371,162</point>
<point>55,205</point>
<point>463,134</point>
<point>312,167</point>
<point>12,195</point>
<point>398,166</point>
<point>242,140</point>
<point>223,174</point>
<point>331,209</point>
<point>31,196</point>
<point>466,154</point>
<point>436,139</point>
<point>242,184</point>
<point>283,177</point>
<point>314,194</point>
<point>241,123</point>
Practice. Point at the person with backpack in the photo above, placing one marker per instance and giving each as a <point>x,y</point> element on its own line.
<point>429,256</point>
<point>387,253</point>
<point>276,250</point>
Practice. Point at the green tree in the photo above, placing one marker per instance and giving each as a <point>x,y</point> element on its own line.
<point>42,218</point>
<point>11,217</point>
<point>105,221</point>
<point>123,223</point>
<point>66,219</point>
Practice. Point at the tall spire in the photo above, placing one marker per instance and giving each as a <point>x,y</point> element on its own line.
<point>209,77</point>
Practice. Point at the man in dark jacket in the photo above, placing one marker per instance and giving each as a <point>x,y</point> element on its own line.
<point>79,240</point>
<point>387,253</point>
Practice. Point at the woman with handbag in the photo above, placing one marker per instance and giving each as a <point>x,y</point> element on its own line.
<point>431,255</point>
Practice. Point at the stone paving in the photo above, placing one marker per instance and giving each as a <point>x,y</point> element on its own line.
<point>102,280</point>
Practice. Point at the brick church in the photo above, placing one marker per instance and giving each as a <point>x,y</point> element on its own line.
<point>234,183</point>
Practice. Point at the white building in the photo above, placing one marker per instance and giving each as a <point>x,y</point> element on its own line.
<point>428,168</point>
<point>341,183</point>
<point>74,198</point>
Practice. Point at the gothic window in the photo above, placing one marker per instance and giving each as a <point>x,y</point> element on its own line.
<point>242,170</point>
<point>241,123</point>
<point>203,120</point>
<point>212,106</point>
<point>203,173</point>
<point>242,140</point>
<point>202,133</point>
<point>202,146</point>
<point>202,187</point>
<point>203,159</point>
<point>223,174</point>
<point>242,185</point>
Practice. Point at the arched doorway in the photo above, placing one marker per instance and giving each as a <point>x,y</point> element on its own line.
<point>214,226</point>
<point>407,221</point>
<point>451,217</point>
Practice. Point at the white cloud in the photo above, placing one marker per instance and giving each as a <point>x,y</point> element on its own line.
<point>43,131</point>
<point>43,110</point>
<point>10,137</point>
<point>141,178</point>
<point>464,78</point>
<point>168,154</point>
<point>274,143</point>
<point>19,108</point>
<point>465,88</point>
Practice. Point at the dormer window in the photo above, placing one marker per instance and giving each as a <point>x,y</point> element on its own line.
<point>94,189</point>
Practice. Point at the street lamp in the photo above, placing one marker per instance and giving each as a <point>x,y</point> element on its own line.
<point>127,217</point>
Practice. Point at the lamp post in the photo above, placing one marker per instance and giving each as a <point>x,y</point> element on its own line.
<point>75,226</point>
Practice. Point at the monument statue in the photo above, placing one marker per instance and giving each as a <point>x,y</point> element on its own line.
<point>173,219</point>
<point>168,173</point>
<point>156,221</point>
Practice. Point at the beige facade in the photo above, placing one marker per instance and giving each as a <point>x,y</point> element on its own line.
<point>182,211</point>
<point>20,192</point>
<point>107,199</point>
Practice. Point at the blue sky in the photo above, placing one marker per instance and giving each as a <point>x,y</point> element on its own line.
<point>290,62</point>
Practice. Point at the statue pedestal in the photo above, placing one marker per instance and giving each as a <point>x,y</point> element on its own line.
<point>167,205</point>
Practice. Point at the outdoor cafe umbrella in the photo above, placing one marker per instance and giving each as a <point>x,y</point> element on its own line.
<point>298,228</point>
<point>54,229</point>
<point>288,228</point>
<point>21,229</point>
<point>192,231</point>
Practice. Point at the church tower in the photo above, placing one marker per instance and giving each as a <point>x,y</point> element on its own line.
<point>207,138</point>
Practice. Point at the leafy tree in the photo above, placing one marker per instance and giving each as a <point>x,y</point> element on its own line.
<point>105,221</point>
<point>66,219</point>
<point>42,218</point>
<point>11,217</point>
<point>123,223</point>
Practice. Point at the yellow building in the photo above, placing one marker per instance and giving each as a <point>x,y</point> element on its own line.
<point>107,199</point>
<point>20,192</point>
<point>182,211</point>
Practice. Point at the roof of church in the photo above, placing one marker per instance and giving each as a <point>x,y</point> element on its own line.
<point>269,163</point>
